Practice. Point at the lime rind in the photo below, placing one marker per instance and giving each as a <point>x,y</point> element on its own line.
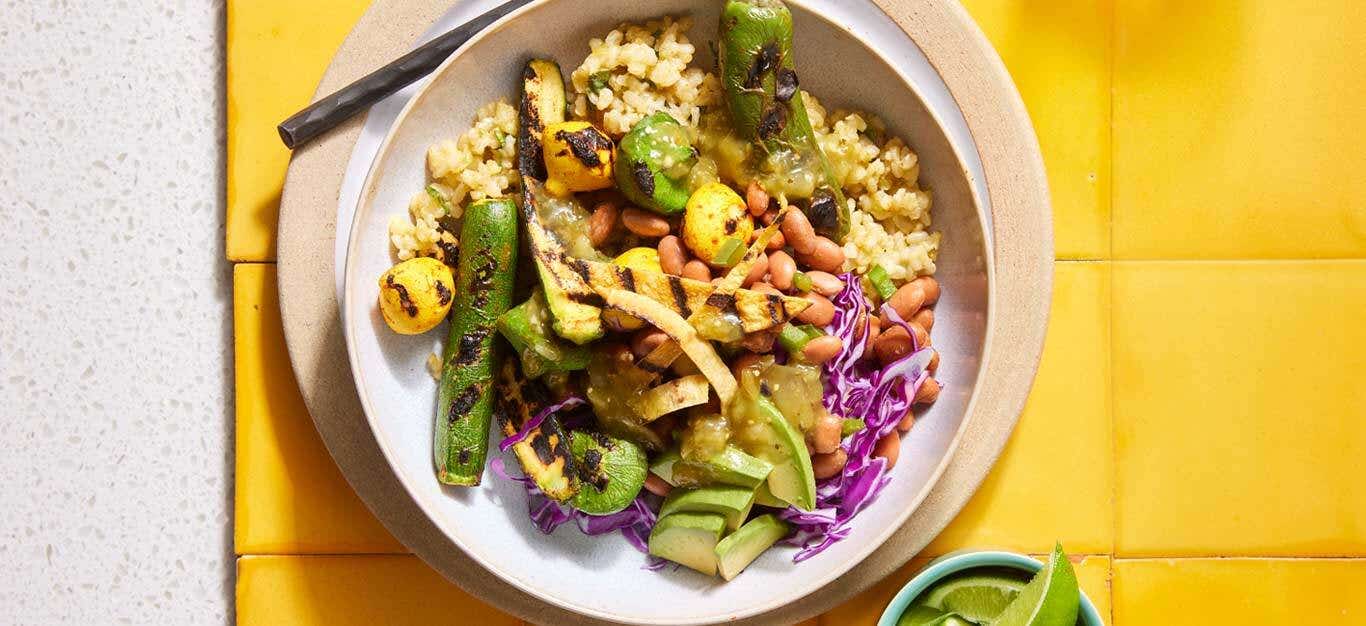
<point>977,597</point>
<point>1050,599</point>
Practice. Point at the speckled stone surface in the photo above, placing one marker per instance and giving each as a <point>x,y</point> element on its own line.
<point>115,324</point>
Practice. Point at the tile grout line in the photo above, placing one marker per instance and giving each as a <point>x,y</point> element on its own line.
<point>1110,316</point>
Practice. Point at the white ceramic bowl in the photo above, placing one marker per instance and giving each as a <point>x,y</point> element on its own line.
<point>602,576</point>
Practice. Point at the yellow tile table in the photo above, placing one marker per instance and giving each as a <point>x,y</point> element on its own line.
<point>1200,392</point>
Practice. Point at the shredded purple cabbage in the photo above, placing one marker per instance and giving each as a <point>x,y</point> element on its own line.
<point>856,388</point>
<point>535,422</point>
<point>635,521</point>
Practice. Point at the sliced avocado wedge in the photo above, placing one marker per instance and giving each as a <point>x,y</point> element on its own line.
<point>732,502</point>
<point>611,472</point>
<point>791,479</point>
<point>740,548</point>
<point>764,497</point>
<point>731,467</point>
<point>688,539</point>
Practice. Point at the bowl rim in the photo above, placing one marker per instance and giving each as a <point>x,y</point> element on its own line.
<point>368,190</point>
<point>963,560</point>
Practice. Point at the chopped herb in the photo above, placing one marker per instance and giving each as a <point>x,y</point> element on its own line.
<point>881,282</point>
<point>598,81</point>
<point>802,282</point>
<point>440,199</point>
<point>811,331</point>
<point>730,252</point>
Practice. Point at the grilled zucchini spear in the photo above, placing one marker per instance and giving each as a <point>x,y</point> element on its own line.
<point>544,454</point>
<point>543,104</point>
<point>483,291</point>
<point>761,92</point>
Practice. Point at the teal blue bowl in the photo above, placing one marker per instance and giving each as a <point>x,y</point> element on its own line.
<point>954,563</point>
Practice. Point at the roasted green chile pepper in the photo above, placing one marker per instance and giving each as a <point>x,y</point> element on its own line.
<point>762,94</point>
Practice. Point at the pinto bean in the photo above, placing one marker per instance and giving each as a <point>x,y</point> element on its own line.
<point>931,287</point>
<point>827,465</point>
<point>888,447</point>
<point>601,223</point>
<point>928,392</point>
<point>644,223</point>
<point>756,273</point>
<point>781,268</point>
<point>907,421</point>
<point>825,436</point>
<point>822,349</point>
<point>671,255</point>
<point>776,242</point>
<point>766,288</point>
<point>827,256</point>
<point>820,313</point>
<point>697,270</point>
<point>924,318</point>
<point>907,300</point>
<point>760,341</point>
<point>645,340</point>
<point>656,485</point>
<point>934,361</point>
<point>892,344</point>
<point>756,199</point>
<point>825,283</point>
<point>800,235</point>
<point>922,336</point>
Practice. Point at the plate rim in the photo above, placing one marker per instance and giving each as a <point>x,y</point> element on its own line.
<point>375,173</point>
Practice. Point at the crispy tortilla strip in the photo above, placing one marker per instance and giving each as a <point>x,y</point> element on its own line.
<point>678,329</point>
<point>544,453</point>
<point>674,395</point>
<point>666,353</point>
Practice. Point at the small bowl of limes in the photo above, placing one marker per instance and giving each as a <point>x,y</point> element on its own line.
<point>997,588</point>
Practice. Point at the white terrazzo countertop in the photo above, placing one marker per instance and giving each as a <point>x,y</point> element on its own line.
<point>115,315</point>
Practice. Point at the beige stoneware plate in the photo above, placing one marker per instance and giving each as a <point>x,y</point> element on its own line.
<point>540,577</point>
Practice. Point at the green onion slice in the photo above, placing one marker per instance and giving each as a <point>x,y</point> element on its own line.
<point>881,282</point>
<point>802,282</point>
<point>730,252</point>
<point>793,339</point>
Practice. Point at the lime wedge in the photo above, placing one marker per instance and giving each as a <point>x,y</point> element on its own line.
<point>1050,599</point>
<point>977,597</point>
<point>920,615</point>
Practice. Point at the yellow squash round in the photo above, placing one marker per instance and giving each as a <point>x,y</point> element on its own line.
<point>578,157</point>
<point>641,258</point>
<point>715,213</point>
<point>415,295</point>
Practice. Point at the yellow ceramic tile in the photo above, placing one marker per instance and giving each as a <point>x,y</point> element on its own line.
<point>339,590</point>
<point>1058,52</point>
<point>1237,129</point>
<point>1248,592</point>
<point>290,496</point>
<point>276,51</point>
<point>1239,408</point>
<point>1093,573</point>
<point>1055,480</point>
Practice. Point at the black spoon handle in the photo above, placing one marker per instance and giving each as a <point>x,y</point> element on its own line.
<point>328,112</point>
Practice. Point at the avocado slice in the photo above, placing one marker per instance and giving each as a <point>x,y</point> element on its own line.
<point>611,472</point>
<point>527,327</point>
<point>740,548</point>
<point>731,467</point>
<point>764,497</point>
<point>732,502</point>
<point>542,104</point>
<point>791,479</point>
<point>688,539</point>
<point>653,161</point>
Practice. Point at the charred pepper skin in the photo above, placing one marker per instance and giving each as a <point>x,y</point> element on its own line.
<point>473,353</point>
<point>762,94</point>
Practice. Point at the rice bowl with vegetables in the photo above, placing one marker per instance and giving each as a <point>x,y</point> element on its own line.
<point>693,306</point>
